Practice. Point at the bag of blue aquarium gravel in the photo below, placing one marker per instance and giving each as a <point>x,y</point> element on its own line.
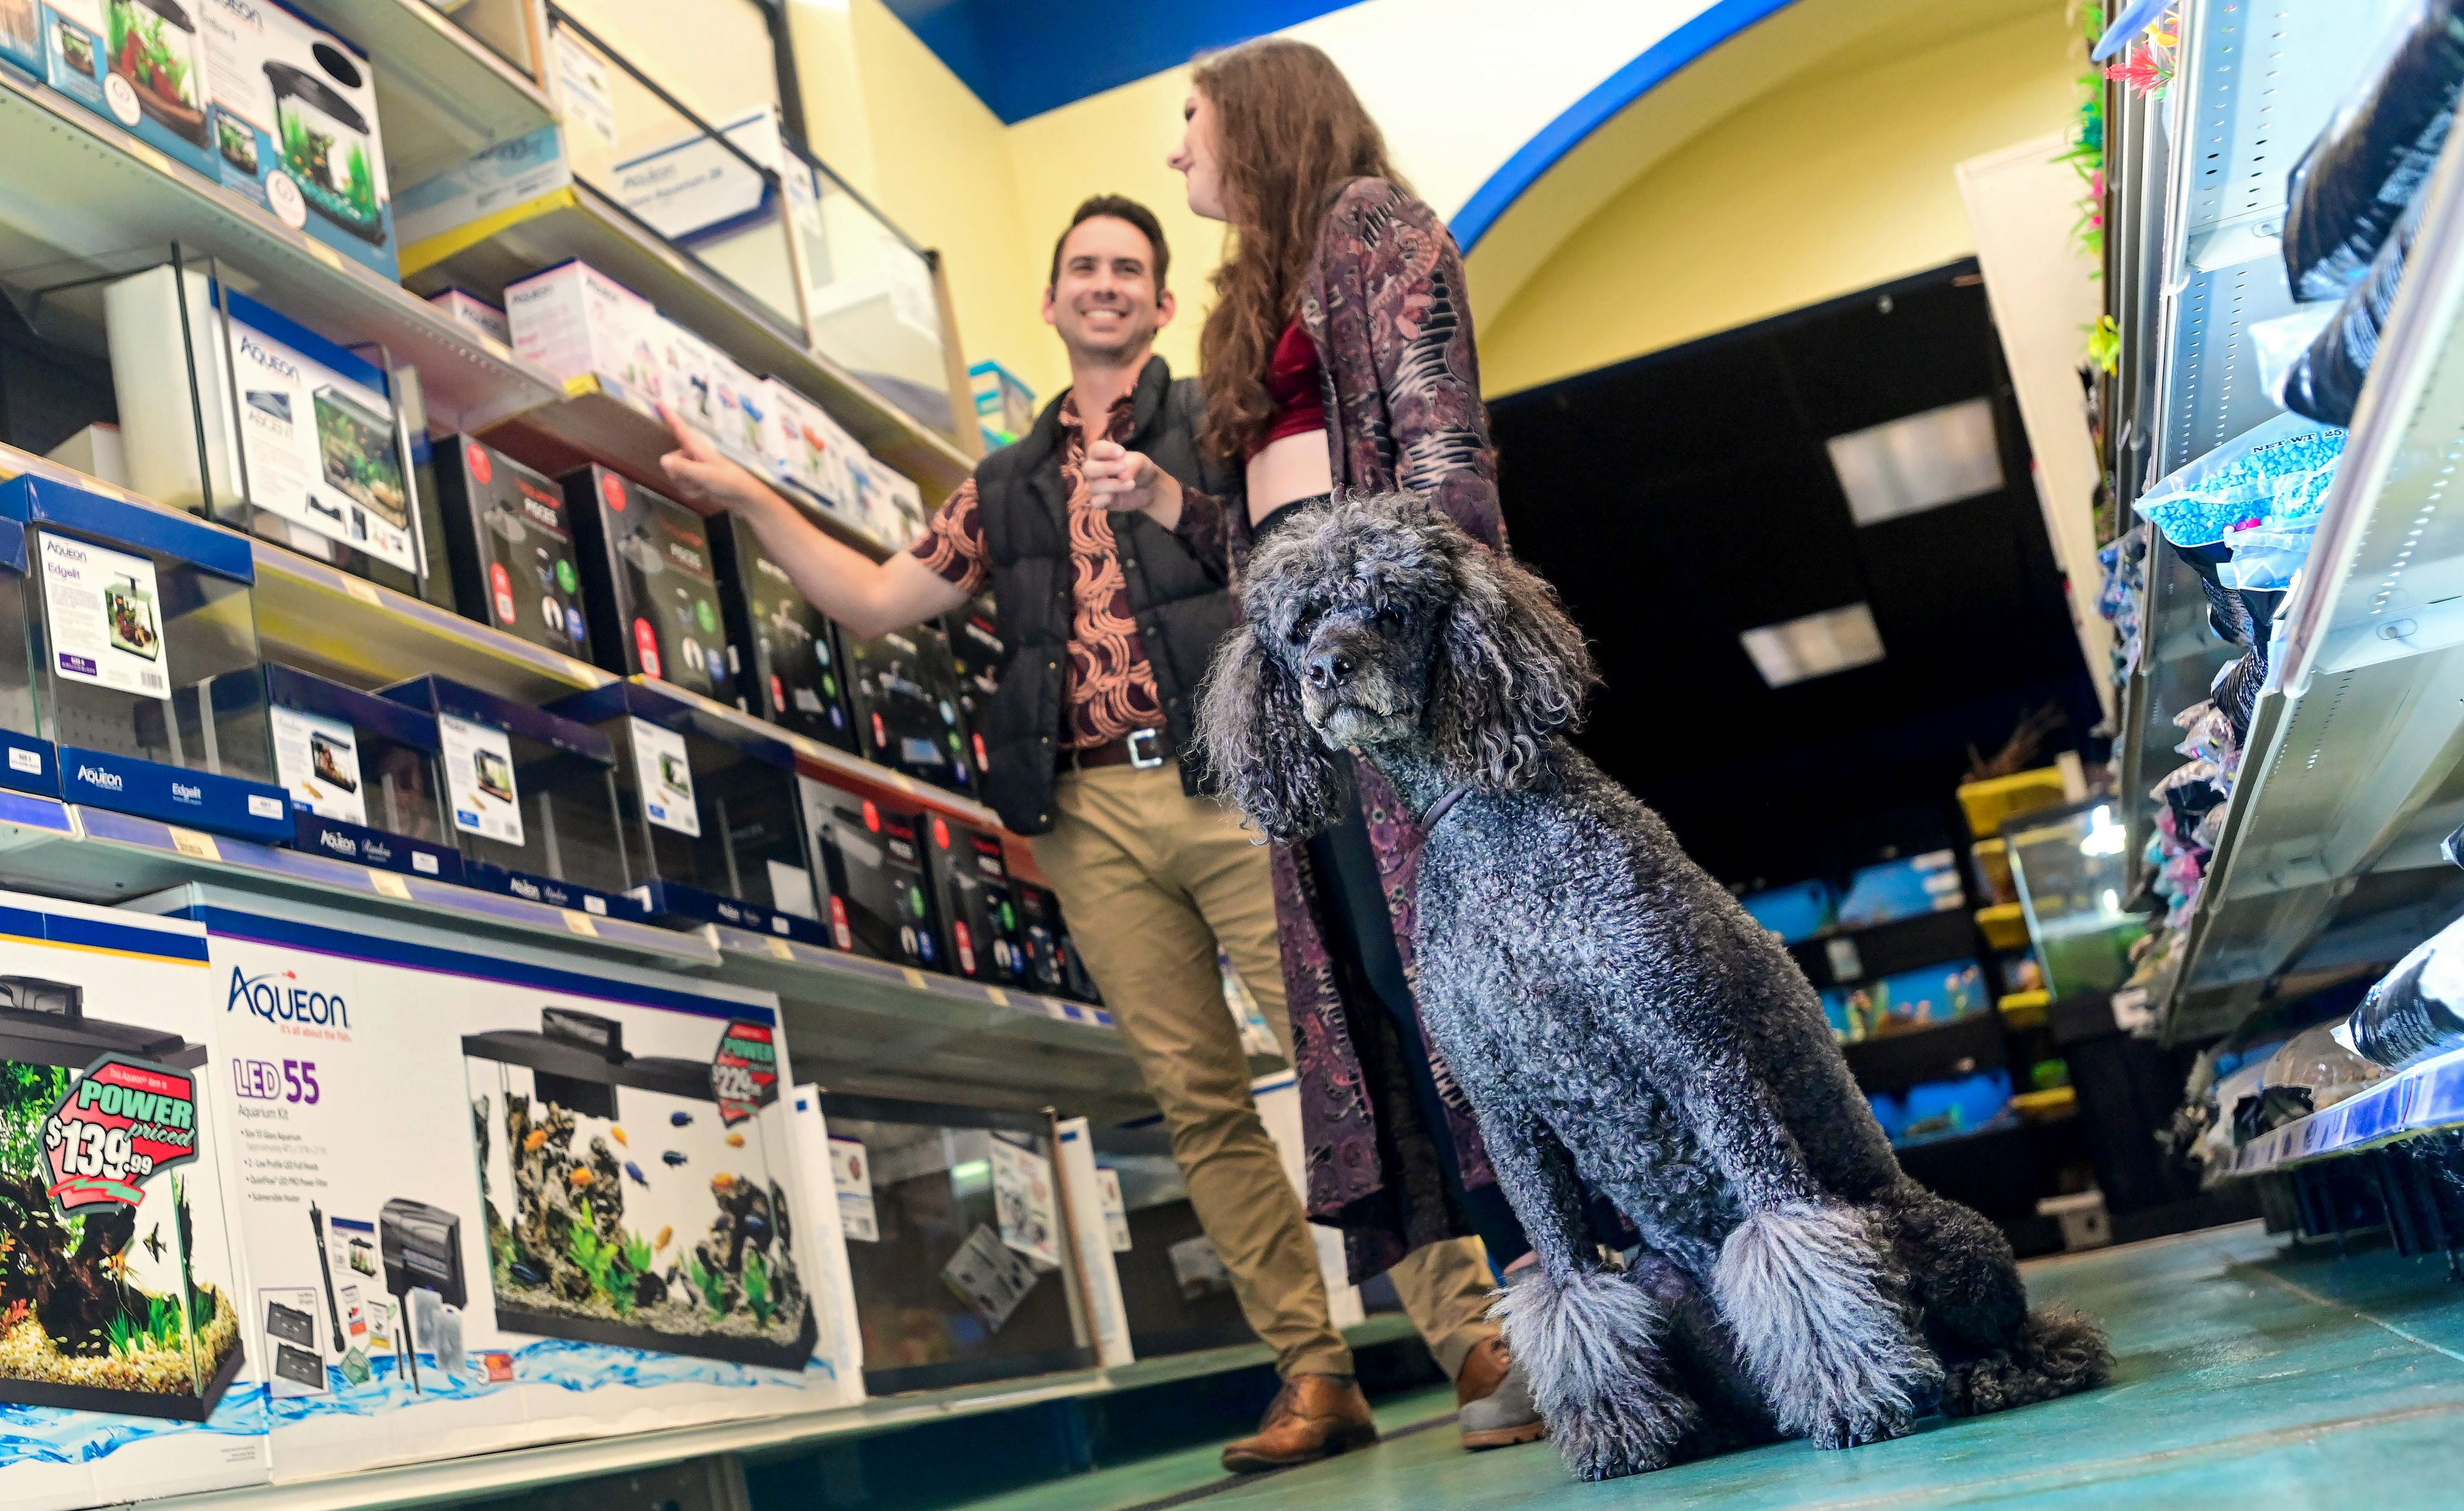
<point>2278,472</point>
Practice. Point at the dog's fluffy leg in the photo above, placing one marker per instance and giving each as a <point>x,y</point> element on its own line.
<point>2055,1353</point>
<point>1820,1310</point>
<point>1590,1343</point>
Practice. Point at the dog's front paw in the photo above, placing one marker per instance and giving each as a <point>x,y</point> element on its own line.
<point>1610,1440</point>
<point>1854,1427</point>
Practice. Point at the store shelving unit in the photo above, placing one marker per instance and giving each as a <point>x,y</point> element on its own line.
<point>2427,1097</point>
<point>2312,861</point>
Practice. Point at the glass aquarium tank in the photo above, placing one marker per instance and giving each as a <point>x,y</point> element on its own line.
<point>712,820</point>
<point>105,1304</point>
<point>2068,865</point>
<point>142,632</point>
<point>870,858</point>
<point>960,1259</point>
<point>363,772</point>
<point>626,1203</point>
<point>1175,1290</point>
<point>530,797</point>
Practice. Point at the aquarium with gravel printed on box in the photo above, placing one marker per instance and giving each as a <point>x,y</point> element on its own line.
<point>530,797</point>
<point>635,1199</point>
<point>106,1302</point>
<point>959,1257</point>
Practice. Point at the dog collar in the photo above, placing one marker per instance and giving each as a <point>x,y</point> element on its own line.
<point>1439,809</point>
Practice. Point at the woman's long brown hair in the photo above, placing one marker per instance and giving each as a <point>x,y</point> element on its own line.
<point>1289,133</point>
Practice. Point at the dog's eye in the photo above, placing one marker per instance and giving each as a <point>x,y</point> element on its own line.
<point>1299,633</point>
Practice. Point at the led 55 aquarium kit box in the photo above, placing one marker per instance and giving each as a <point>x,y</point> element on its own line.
<point>138,62</point>
<point>648,585</point>
<point>712,820</point>
<point>530,799</point>
<point>787,655</point>
<point>971,886</point>
<point>905,700</point>
<point>146,673</point>
<point>27,763</point>
<point>300,436</point>
<point>871,863</point>
<point>510,543</point>
<point>364,774</point>
<point>295,126</point>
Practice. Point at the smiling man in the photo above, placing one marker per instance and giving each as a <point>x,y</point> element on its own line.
<point>1111,619</point>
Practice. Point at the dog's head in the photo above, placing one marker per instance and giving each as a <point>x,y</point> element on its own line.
<point>1376,623</point>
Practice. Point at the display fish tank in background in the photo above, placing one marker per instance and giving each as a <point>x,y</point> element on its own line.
<point>2069,866</point>
<point>105,1304</point>
<point>623,1206</point>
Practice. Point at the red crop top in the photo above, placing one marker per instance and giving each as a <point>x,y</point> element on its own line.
<point>1295,384</point>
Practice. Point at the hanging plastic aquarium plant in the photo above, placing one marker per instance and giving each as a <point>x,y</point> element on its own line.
<point>101,1305</point>
<point>675,1236</point>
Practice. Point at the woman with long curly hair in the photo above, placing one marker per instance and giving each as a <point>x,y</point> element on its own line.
<point>1338,356</point>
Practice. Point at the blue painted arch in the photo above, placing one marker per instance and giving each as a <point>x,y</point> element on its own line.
<point>1655,66</point>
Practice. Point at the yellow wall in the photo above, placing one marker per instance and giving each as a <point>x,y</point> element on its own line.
<point>1832,184</point>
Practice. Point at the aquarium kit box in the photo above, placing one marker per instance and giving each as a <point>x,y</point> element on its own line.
<point>578,322</point>
<point>887,501</point>
<point>1053,962</point>
<point>811,453</point>
<point>143,634</point>
<point>709,811</point>
<point>648,585</point>
<point>1908,1000</point>
<point>302,437</point>
<point>1795,913</point>
<point>529,798</point>
<point>510,1213</point>
<point>971,889</point>
<point>124,1368</point>
<point>295,126</point>
<point>975,657</point>
<point>870,858</point>
<point>139,63</point>
<point>364,775</point>
<point>1891,890</point>
<point>22,35</point>
<point>509,540</point>
<point>838,1349</point>
<point>904,695</point>
<point>785,652</point>
<point>488,320</point>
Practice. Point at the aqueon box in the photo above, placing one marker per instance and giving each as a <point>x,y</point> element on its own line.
<point>577,323</point>
<point>295,126</point>
<point>364,775</point>
<point>511,546</point>
<point>713,825</point>
<point>139,63</point>
<point>27,763</point>
<point>971,886</point>
<point>142,631</point>
<point>905,699</point>
<point>786,653</point>
<point>530,799</point>
<point>870,858</point>
<point>649,583</point>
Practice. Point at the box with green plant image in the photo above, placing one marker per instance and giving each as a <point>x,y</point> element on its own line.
<point>294,126</point>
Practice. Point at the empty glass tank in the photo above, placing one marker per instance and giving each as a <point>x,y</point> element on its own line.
<point>530,797</point>
<point>146,674</point>
<point>2068,864</point>
<point>622,1207</point>
<point>363,772</point>
<point>965,1274</point>
<point>1174,1291</point>
<point>27,763</point>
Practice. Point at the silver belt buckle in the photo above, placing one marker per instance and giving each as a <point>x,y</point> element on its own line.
<point>1143,758</point>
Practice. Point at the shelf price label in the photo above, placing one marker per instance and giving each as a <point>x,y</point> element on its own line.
<point>123,1121</point>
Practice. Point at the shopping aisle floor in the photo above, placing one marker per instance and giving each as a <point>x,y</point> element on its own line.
<point>2248,1377</point>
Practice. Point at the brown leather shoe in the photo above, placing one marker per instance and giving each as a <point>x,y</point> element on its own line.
<point>1492,1400</point>
<point>1314,1416</point>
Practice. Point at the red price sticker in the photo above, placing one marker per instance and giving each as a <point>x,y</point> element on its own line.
<point>744,1073</point>
<point>121,1123</point>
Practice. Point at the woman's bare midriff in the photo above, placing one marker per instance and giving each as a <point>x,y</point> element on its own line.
<point>1291,466</point>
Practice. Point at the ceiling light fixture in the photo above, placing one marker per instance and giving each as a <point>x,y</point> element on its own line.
<point>1816,645</point>
<point>1921,462</point>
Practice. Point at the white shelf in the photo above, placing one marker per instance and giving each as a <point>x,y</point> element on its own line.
<point>80,199</point>
<point>442,96</point>
<point>2421,1100</point>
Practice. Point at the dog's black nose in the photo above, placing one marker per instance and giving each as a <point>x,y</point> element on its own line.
<point>1329,669</point>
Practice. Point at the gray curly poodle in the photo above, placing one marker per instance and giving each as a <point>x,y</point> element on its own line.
<point>1615,1016</point>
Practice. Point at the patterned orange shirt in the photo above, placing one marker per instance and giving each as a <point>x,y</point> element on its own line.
<point>1110,687</point>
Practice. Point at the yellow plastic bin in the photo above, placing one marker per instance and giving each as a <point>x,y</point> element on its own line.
<point>1989,803</point>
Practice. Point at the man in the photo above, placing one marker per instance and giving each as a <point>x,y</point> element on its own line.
<point>1111,621</point>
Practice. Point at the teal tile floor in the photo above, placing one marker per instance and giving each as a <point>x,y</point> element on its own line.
<point>2248,1377</point>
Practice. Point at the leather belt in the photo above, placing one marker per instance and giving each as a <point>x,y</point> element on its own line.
<point>1142,749</point>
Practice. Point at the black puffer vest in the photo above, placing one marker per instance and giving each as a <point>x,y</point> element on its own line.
<point>1181,610</point>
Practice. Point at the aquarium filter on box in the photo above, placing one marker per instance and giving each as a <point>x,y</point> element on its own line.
<point>708,800</point>
<point>139,63</point>
<point>510,546</point>
<point>146,673</point>
<point>905,699</point>
<point>872,861</point>
<point>530,799</point>
<point>672,1238</point>
<point>364,774</point>
<point>971,888</point>
<point>648,585</point>
<point>975,657</point>
<point>295,128</point>
<point>785,651</point>
<point>1052,955</point>
<point>302,441</point>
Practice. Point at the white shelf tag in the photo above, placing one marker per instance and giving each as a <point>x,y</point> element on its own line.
<point>194,845</point>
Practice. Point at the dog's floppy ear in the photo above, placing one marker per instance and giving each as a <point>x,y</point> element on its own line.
<point>1512,671</point>
<point>1260,754</point>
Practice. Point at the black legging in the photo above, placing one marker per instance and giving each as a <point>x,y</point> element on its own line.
<point>1360,938</point>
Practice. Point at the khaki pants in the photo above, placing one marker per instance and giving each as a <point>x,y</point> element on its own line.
<point>1151,881</point>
